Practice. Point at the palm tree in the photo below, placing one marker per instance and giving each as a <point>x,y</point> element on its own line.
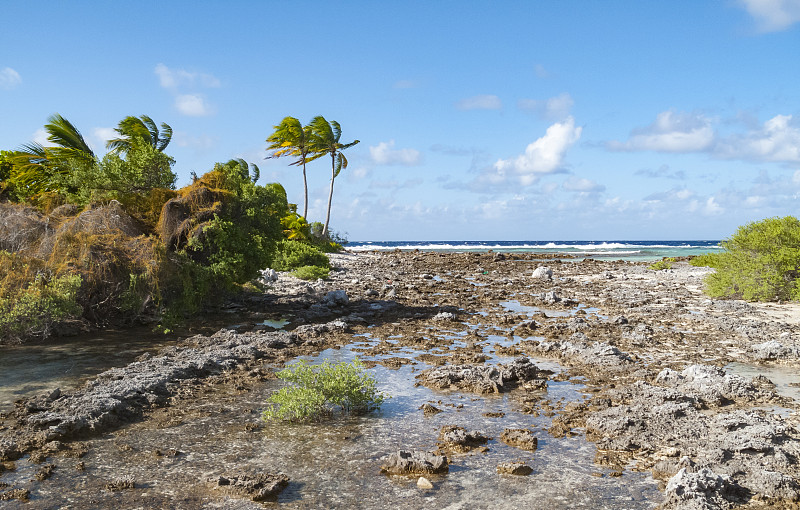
<point>292,139</point>
<point>35,164</point>
<point>325,140</point>
<point>142,127</point>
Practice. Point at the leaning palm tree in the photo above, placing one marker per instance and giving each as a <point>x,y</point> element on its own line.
<point>325,140</point>
<point>36,165</point>
<point>143,128</point>
<point>292,139</point>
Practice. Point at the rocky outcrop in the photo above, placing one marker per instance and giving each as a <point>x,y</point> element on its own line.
<point>404,462</point>
<point>121,394</point>
<point>481,378</point>
<point>259,487</point>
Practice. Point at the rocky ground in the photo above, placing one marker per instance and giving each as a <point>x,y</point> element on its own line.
<point>648,347</point>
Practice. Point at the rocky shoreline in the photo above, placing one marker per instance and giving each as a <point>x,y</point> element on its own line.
<point>647,347</point>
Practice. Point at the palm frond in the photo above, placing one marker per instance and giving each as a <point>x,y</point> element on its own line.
<point>62,133</point>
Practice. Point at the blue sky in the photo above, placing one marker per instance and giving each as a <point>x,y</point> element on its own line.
<point>514,120</point>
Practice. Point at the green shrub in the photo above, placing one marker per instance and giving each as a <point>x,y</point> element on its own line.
<point>315,392</point>
<point>311,273</point>
<point>36,308</point>
<point>704,260</point>
<point>296,254</point>
<point>663,264</point>
<point>761,262</point>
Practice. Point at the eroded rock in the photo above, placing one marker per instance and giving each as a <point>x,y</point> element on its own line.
<point>404,462</point>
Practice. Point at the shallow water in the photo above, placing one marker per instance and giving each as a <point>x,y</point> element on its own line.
<point>786,379</point>
<point>337,464</point>
<point>28,370</point>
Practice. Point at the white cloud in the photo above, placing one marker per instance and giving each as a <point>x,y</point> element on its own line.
<point>671,132</point>
<point>192,105</point>
<point>483,102</point>
<point>9,78</point>
<point>777,141</point>
<point>173,78</point>
<point>553,108</point>
<point>543,156</point>
<point>773,15</point>
<point>582,185</point>
<point>385,154</point>
<point>104,134</point>
<point>663,172</point>
<point>40,137</point>
<point>405,84</point>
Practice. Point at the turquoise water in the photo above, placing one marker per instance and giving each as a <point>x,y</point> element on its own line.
<point>615,250</point>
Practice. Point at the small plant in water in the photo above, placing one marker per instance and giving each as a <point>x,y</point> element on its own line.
<point>316,392</point>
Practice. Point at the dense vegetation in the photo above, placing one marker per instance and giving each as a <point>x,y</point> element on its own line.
<point>90,240</point>
<point>760,262</point>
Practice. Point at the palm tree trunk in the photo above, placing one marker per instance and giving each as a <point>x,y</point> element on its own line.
<point>330,196</point>
<point>305,191</point>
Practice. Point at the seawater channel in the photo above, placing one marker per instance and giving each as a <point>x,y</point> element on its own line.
<point>336,464</point>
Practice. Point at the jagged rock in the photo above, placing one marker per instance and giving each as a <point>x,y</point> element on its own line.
<point>520,438</point>
<point>458,439</point>
<point>710,384</point>
<point>336,298</point>
<point>120,394</point>
<point>404,462</point>
<point>444,316</point>
<point>260,487</point>
<point>121,483</point>
<point>429,410</point>
<point>514,468</point>
<point>482,378</point>
<point>701,490</point>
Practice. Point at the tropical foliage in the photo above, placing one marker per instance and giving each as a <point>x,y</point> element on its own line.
<point>326,140</point>
<point>760,262</point>
<point>316,392</point>
<point>308,143</point>
<point>291,138</point>
<point>140,129</point>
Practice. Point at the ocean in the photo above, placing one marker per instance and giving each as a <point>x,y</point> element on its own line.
<point>612,250</point>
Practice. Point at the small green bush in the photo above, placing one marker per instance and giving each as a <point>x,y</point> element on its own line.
<point>315,392</point>
<point>704,260</point>
<point>296,254</point>
<point>662,264</point>
<point>761,262</point>
<point>311,273</point>
<point>35,309</point>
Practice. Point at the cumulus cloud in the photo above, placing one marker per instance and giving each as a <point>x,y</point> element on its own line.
<point>174,78</point>
<point>778,140</point>
<point>385,154</point>
<point>192,105</point>
<point>671,132</point>
<point>104,134</point>
<point>554,108</point>
<point>773,15</point>
<point>582,185</point>
<point>543,156</point>
<point>482,102</point>
<point>9,78</point>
